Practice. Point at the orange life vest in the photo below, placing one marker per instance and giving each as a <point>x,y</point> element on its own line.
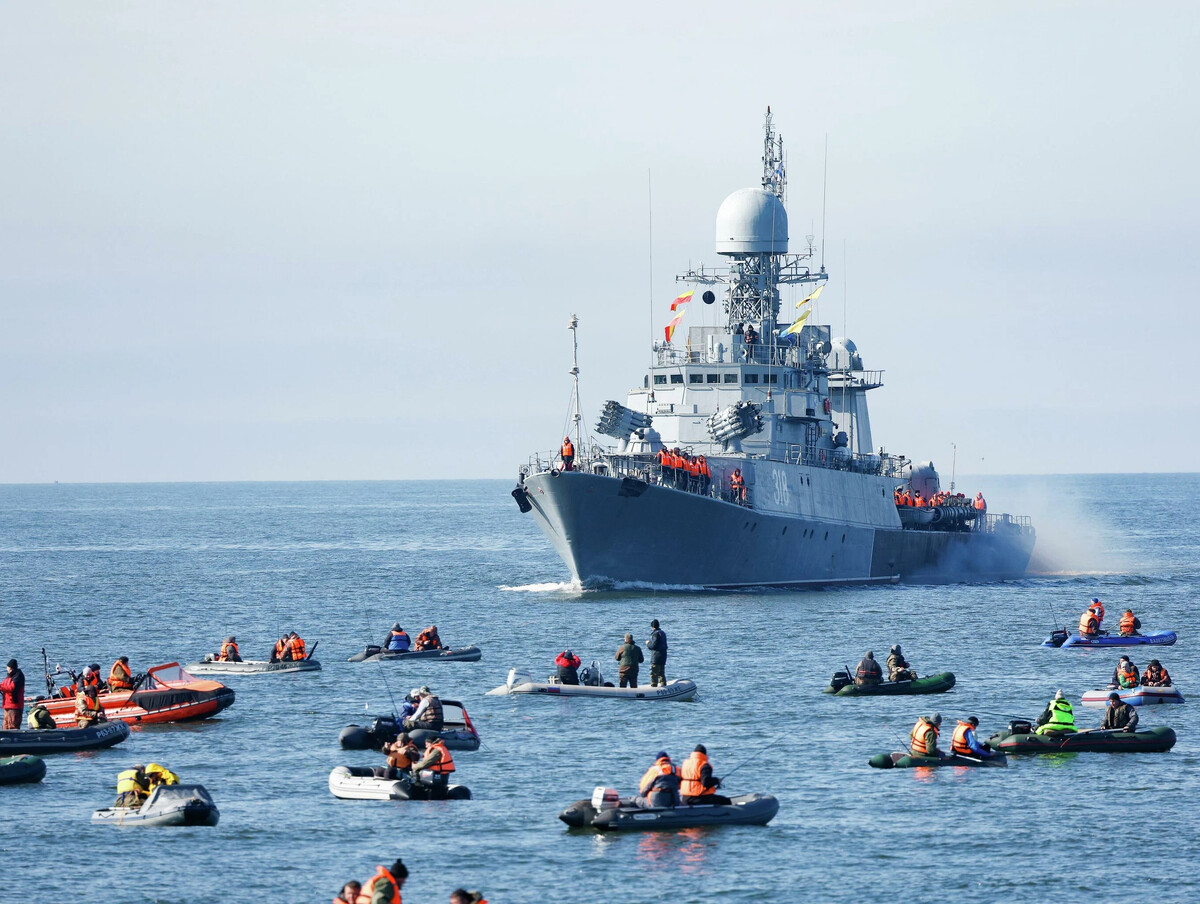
<point>90,681</point>
<point>1088,623</point>
<point>980,504</point>
<point>704,471</point>
<point>403,757</point>
<point>958,743</point>
<point>1128,676</point>
<point>693,467</point>
<point>296,645</point>
<point>445,765</point>
<point>1127,622</point>
<point>1098,609</point>
<point>689,776</point>
<point>737,481</point>
<point>662,766</point>
<point>568,450</point>
<point>119,677</point>
<point>280,646</point>
<point>664,458</point>
<point>382,875</point>
<point>919,737</point>
<point>226,649</point>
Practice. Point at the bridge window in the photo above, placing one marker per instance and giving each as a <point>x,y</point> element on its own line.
<point>695,378</point>
<point>771,378</point>
<point>676,378</point>
<point>660,379</point>
<point>731,378</point>
<point>751,378</point>
<point>712,378</point>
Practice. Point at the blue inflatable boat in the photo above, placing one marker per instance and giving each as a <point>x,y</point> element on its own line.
<point>1156,638</point>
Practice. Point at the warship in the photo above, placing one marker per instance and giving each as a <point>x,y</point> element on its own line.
<point>746,457</point>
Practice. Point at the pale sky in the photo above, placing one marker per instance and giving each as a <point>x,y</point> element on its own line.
<point>343,240</point>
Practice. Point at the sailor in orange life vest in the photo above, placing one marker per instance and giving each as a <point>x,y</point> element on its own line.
<point>980,503</point>
<point>429,639</point>
<point>296,651</point>
<point>1097,608</point>
<point>924,736</point>
<point>384,887</point>
<point>964,742</point>
<point>568,454</point>
<point>1125,675</point>
<point>1155,675</point>
<point>737,486</point>
<point>279,653</point>
<point>119,677</point>
<point>659,786</point>
<point>436,766</point>
<point>1089,625</point>
<point>229,650</point>
<point>568,667</point>
<point>1130,625</point>
<point>697,784</point>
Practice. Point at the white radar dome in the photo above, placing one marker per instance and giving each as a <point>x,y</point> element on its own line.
<point>752,220</point>
<point>844,355</point>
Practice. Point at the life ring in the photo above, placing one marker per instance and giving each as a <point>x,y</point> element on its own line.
<point>827,406</point>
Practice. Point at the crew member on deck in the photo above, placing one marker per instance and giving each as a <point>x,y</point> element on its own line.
<point>737,487</point>
<point>980,503</point>
<point>568,454</point>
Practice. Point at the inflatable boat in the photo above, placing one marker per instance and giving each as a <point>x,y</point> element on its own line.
<point>520,682</point>
<point>62,740</point>
<point>361,783</point>
<point>1150,740</point>
<point>212,666</point>
<point>457,731</point>
<point>379,654</point>
<point>1062,639</point>
<point>607,813</point>
<point>843,685</point>
<point>167,805</point>
<point>909,761</point>
<point>20,770</point>
<point>1134,696</point>
<point>168,693</point>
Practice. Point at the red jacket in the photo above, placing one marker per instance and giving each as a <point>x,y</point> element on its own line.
<point>13,687</point>
<point>566,661</point>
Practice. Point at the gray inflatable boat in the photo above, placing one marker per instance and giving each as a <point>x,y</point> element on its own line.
<point>167,805</point>
<point>62,740</point>
<point>745,810</point>
<point>377,654</point>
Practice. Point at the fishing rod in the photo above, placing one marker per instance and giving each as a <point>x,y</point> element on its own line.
<point>752,756</point>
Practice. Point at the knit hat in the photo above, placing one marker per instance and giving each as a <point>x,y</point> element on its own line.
<point>700,748</point>
<point>396,627</point>
<point>661,755</point>
<point>12,663</point>
<point>1114,696</point>
<point>895,648</point>
<point>936,718</point>
<point>654,623</point>
<point>1059,695</point>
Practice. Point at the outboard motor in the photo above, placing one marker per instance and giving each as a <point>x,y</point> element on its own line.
<point>1020,726</point>
<point>605,798</point>
<point>841,678</point>
<point>517,677</point>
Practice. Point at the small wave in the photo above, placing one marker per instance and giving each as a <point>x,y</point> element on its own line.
<point>552,587</point>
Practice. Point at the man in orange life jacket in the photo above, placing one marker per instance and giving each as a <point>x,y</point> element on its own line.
<point>296,649</point>
<point>737,486</point>
<point>1130,624</point>
<point>980,503</point>
<point>435,767</point>
<point>384,887</point>
<point>1155,675</point>
<point>697,784</point>
<point>280,652</point>
<point>659,786</point>
<point>964,742</point>
<point>924,736</point>
<point>120,678</point>
<point>229,650</point>
<point>568,454</point>
<point>1089,625</point>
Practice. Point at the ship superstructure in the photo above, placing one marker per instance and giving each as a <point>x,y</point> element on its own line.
<point>746,455</point>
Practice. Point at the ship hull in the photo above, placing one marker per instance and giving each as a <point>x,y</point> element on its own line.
<point>610,530</point>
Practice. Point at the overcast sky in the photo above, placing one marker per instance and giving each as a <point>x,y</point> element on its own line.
<point>343,240</point>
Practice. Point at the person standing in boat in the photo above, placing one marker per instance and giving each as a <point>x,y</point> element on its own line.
<point>1125,675</point>
<point>898,667</point>
<point>697,784</point>
<point>657,645</point>
<point>628,658</point>
<point>13,688</point>
<point>1155,675</point>
<point>567,664</point>
<point>868,673</point>
<point>924,736</point>
<point>1058,716</point>
<point>1119,716</point>
<point>965,743</point>
<point>398,640</point>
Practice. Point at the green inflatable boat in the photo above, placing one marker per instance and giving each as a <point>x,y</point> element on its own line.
<point>1150,740</point>
<point>843,685</point>
<point>909,761</point>
<point>17,770</point>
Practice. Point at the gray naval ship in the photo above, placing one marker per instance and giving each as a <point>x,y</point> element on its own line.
<point>781,484</point>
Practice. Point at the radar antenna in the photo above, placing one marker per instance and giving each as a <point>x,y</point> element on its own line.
<point>774,177</point>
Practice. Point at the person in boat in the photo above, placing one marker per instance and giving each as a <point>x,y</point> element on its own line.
<point>657,645</point>
<point>659,786</point>
<point>568,454</point>
<point>280,652</point>
<point>1130,625</point>
<point>428,714</point>
<point>924,736</point>
<point>297,652</point>
<point>428,639</point>
<point>1058,716</point>
<point>1155,675</point>
<point>229,650</point>
<point>1089,624</point>
<point>120,678</point>
<point>384,887</point>
<point>1125,675</point>
<point>398,640</point>
<point>88,710</point>
<point>898,667</point>
<point>1097,608</point>
<point>40,718</point>
<point>401,754</point>
<point>462,896</point>
<point>567,664</point>
<point>965,743</point>
<point>159,775</point>
<point>628,657</point>
<point>697,784</point>
<point>91,676</point>
<point>436,766</point>
<point>349,894</point>
<point>132,788</point>
<point>13,688</point>
<point>868,673</point>
<point>1119,716</point>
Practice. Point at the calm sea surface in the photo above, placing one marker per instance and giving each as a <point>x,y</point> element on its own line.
<point>163,572</point>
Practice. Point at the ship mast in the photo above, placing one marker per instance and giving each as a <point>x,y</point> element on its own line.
<point>573,326</point>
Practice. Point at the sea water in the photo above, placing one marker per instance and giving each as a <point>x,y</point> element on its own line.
<point>164,572</point>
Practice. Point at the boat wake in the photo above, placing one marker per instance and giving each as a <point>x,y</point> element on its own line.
<point>552,587</point>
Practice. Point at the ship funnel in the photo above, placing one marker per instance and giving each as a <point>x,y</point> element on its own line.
<point>620,422</point>
<point>735,422</point>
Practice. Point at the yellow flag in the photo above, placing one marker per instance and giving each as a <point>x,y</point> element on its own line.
<point>799,324</point>
<point>812,297</point>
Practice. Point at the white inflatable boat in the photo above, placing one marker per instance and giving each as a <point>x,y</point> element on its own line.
<point>1134,696</point>
<point>361,783</point>
<point>591,684</point>
<point>167,805</point>
<point>212,666</point>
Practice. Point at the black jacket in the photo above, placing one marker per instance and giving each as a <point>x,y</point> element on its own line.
<point>657,645</point>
